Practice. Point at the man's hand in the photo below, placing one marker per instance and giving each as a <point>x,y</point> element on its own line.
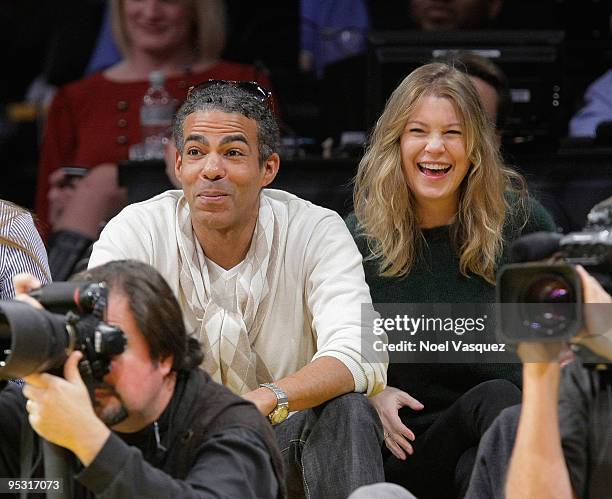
<point>543,352</point>
<point>591,289</point>
<point>597,333</point>
<point>321,380</point>
<point>263,398</point>
<point>24,284</point>
<point>60,411</point>
<point>397,436</point>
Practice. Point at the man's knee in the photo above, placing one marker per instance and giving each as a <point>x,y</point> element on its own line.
<point>355,405</point>
<point>381,490</point>
<point>353,409</point>
<point>352,412</point>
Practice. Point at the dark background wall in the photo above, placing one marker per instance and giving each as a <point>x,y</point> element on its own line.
<point>56,36</point>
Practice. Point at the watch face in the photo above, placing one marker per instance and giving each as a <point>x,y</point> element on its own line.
<point>279,415</point>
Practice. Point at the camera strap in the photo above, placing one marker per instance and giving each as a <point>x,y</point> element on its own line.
<point>602,417</point>
<point>26,465</point>
<point>160,448</point>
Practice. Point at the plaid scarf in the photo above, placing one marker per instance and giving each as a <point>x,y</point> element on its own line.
<point>228,328</point>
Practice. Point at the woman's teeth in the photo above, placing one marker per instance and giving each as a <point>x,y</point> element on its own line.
<point>434,169</point>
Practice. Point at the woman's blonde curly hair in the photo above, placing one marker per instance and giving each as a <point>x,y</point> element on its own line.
<point>386,209</point>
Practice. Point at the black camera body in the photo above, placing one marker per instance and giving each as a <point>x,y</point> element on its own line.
<point>543,302</point>
<point>34,340</point>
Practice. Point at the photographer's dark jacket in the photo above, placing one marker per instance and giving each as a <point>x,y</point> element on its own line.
<point>212,444</point>
<point>585,425</point>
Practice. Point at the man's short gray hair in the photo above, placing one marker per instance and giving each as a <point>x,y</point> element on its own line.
<point>229,98</point>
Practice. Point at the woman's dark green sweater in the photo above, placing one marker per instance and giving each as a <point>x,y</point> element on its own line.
<point>435,278</point>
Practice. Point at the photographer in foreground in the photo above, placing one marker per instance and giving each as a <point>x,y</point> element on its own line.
<point>563,445</point>
<point>159,426</point>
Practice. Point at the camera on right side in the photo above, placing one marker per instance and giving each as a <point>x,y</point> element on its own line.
<point>540,296</point>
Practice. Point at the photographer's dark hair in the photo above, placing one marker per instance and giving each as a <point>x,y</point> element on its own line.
<point>155,309</point>
<point>229,98</point>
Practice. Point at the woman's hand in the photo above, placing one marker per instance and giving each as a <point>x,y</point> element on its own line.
<point>61,191</point>
<point>397,436</point>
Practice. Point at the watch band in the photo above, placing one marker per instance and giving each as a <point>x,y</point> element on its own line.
<point>281,396</point>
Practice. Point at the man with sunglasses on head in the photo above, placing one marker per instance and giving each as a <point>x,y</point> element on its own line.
<point>271,284</point>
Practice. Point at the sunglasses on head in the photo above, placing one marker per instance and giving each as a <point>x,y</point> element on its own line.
<point>251,87</point>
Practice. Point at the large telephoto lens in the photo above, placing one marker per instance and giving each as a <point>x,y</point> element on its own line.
<point>31,340</point>
<point>555,296</point>
<point>550,288</point>
<point>538,302</point>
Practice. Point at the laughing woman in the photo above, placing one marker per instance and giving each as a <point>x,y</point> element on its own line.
<point>435,212</point>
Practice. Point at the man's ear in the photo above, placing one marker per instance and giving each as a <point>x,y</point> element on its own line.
<point>270,169</point>
<point>178,164</point>
<point>165,364</point>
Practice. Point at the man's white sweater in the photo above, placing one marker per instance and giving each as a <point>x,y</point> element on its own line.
<point>316,302</point>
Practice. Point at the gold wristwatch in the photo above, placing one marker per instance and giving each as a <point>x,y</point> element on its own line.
<point>281,411</point>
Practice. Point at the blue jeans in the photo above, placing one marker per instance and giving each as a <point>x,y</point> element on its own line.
<point>332,449</point>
